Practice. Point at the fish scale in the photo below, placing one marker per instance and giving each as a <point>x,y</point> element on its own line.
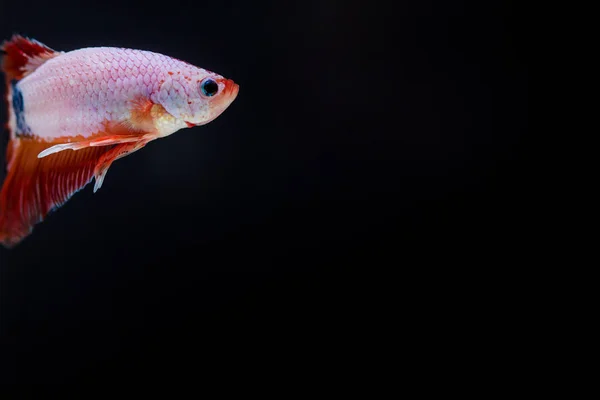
<point>70,84</point>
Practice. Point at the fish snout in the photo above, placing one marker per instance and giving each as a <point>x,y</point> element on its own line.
<point>231,89</point>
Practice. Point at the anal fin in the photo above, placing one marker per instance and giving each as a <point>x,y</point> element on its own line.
<point>33,187</point>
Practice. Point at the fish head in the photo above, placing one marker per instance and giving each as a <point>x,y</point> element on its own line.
<point>196,96</point>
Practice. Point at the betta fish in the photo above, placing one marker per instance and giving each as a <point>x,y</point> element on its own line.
<point>72,114</point>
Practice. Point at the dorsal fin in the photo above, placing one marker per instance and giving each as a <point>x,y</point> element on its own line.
<point>23,55</point>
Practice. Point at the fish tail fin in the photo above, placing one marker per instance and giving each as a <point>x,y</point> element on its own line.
<point>23,56</point>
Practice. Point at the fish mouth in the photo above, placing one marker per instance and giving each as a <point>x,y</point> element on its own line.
<point>234,90</point>
<point>229,94</point>
<point>230,91</point>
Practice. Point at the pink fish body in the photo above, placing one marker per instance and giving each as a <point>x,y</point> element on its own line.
<point>71,114</point>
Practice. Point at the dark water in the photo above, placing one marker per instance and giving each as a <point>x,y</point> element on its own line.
<point>371,181</point>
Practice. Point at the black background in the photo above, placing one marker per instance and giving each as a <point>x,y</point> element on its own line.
<point>370,182</point>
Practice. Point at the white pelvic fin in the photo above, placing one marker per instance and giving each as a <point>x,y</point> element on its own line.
<point>56,148</point>
<point>88,143</point>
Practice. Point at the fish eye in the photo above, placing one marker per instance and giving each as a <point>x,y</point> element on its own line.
<point>209,87</point>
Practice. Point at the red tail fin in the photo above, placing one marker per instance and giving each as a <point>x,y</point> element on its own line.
<point>23,56</point>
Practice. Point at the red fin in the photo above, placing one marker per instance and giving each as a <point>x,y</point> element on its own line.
<point>23,55</point>
<point>33,187</point>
